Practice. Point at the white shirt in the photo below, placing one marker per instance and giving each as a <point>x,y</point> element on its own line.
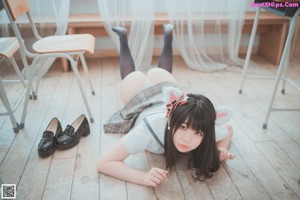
<point>140,138</point>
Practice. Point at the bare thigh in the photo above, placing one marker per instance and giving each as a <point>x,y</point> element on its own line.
<point>157,75</point>
<point>131,85</point>
<point>136,81</point>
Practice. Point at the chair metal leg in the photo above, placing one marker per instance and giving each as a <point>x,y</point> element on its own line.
<point>86,71</point>
<point>284,72</point>
<point>17,70</point>
<point>28,73</point>
<point>282,66</point>
<point>76,73</point>
<point>249,50</point>
<point>27,94</point>
<point>35,91</point>
<point>8,107</point>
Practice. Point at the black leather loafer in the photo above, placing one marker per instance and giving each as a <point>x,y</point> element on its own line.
<point>72,134</point>
<point>47,145</point>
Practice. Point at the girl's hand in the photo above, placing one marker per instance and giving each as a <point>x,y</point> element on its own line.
<point>224,154</point>
<point>154,177</point>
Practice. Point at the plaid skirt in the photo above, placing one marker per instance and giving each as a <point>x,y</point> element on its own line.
<point>123,120</point>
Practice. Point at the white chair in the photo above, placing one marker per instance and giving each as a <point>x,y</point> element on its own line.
<point>71,47</point>
<point>8,47</point>
<point>292,14</point>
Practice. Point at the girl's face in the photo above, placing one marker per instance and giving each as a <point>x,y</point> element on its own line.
<point>186,139</point>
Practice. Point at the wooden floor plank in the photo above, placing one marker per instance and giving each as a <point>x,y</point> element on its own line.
<point>65,170</point>
<point>224,96</point>
<point>277,132</point>
<point>85,181</point>
<point>110,103</point>
<point>266,166</point>
<point>262,89</point>
<point>227,189</point>
<point>261,168</point>
<point>39,165</point>
<point>5,123</point>
<point>59,181</point>
<point>192,189</point>
<point>243,178</point>
<point>22,145</point>
<point>170,188</point>
<point>134,191</point>
<point>283,165</point>
<point>281,135</point>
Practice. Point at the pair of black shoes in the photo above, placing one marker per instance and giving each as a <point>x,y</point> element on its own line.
<point>55,138</point>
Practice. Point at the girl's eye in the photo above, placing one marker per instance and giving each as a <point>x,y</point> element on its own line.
<point>200,133</point>
<point>183,127</point>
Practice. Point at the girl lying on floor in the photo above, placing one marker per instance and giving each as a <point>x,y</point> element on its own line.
<point>160,118</point>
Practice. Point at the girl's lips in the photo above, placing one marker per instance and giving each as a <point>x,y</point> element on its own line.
<point>183,146</point>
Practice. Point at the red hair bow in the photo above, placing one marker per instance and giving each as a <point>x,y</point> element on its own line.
<point>174,103</point>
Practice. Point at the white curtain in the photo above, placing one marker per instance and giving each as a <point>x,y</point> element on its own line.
<point>52,19</point>
<point>207,32</point>
<point>137,16</point>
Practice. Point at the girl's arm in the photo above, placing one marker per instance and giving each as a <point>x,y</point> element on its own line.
<point>223,145</point>
<point>111,163</point>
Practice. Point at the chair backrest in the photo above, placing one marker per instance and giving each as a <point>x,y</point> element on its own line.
<point>17,7</point>
<point>14,9</point>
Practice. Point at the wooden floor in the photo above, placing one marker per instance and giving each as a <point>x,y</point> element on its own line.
<point>267,163</point>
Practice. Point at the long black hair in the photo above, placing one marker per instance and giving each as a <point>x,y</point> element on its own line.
<point>200,115</point>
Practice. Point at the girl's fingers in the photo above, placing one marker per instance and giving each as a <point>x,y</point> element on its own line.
<point>158,175</point>
<point>160,172</point>
<point>153,184</point>
<point>231,155</point>
<point>155,176</point>
<point>224,154</point>
<point>223,157</point>
<point>163,173</point>
<point>156,180</point>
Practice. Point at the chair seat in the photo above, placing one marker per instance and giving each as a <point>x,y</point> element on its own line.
<point>8,46</point>
<point>65,43</point>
